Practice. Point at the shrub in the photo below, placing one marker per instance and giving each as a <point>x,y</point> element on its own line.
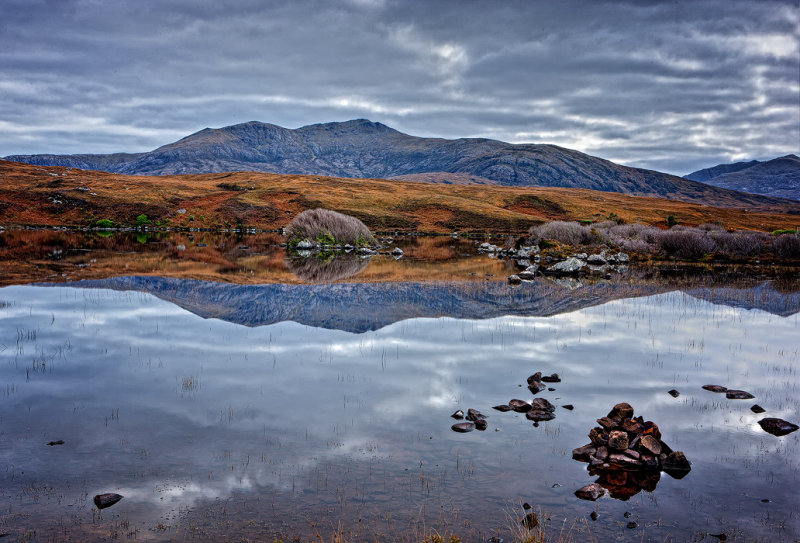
<point>105,223</point>
<point>787,246</point>
<point>740,244</point>
<point>671,221</point>
<point>571,233</point>
<point>142,219</point>
<point>685,243</point>
<point>326,226</point>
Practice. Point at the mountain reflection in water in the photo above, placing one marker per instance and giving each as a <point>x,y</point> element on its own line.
<point>359,307</point>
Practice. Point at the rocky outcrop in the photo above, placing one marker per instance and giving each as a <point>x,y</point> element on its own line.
<point>628,455</point>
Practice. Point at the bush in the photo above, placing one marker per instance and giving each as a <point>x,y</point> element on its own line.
<point>326,226</point>
<point>571,233</point>
<point>142,219</point>
<point>689,243</point>
<point>105,223</point>
<point>787,246</point>
<point>740,244</point>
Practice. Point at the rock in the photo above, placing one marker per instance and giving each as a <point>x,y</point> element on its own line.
<point>622,411</point>
<point>526,275</point>
<point>601,453</point>
<point>606,423</point>
<point>738,395</point>
<point>366,251</point>
<point>481,424</point>
<point>59,442</point>
<point>106,500</point>
<point>514,279</point>
<point>304,244</point>
<point>632,426</point>
<point>590,492</point>
<point>594,515</point>
<point>651,429</point>
<point>596,260</point>
<point>715,388</point>
<point>536,386</point>
<point>520,406</point>
<point>463,427</point>
<point>568,406</point>
<point>543,405</point>
<point>536,377</point>
<point>633,454</point>
<point>674,393</point>
<point>537,415</point>
<point>530,521</point>
<point>598,437</point>
<point>631,525</point>
<point>503,408</point>
<point>566,267</point>
<point>618,440</point>
<point>757,409</point>
<point>397,251</point>
<point>458,415</point>
<point>583,454</point>
<point>676,465</point>
<point>622,461</point>
<point>474,414</point>
<point>553,378</point>
<point>651,444</point>
<point>777,427</point>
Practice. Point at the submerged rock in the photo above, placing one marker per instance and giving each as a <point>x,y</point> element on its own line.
<point>590,492</point>
<point>502,408</point>
<point>106,500</point>
<point>757,409</point>
<point>58,442</point>
<point>474,414</point>
<point>481,424</point>
<point>715,388</point>
<point>674,393</point>
<point>777,427</point>
<point>458,415</point>
<point>738,395</point>
<point>463,427</point>
<point>552,378</point>
<point>520,406</point>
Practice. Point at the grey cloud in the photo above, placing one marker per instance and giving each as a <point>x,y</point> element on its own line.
<point>667,85</point>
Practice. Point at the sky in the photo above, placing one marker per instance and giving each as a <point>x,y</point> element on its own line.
<point>673,86</point>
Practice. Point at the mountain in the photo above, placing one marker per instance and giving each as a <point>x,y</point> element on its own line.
<point>779,177</point>
<point>364,149</point>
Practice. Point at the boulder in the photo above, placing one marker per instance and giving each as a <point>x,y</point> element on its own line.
<point>676,464</point>
<point>583,454</point>
<point>537,415</point>
<point>106,500</point>
<point>552,378</point>
<point>622,411</point>
<point>514,279</point>
<point>481,424</point>
<point>596,260</point>
<point>567,267</point>
<point>474,414</point>
<point>527,275</point>
<point>777,427</point>
<point>542,404</point>
<point>304,244</point>
<point>651,444</point>
<point>397,251</point>
<point>520,406</point>
<point>715,388</point>
<point>463,427</point>
<point>738,395</point>
<point>618,440</point>
<point>590,492</point>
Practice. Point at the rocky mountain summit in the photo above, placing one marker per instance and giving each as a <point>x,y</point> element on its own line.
<point>365,149</point>
<point>779,177</point>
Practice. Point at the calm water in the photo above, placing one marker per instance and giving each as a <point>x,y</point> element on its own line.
<point>218,429</point>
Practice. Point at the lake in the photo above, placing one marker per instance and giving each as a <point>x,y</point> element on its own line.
<point>225,397</point>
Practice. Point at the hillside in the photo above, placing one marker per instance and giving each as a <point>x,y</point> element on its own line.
<point>38,195</point>
<point>779,177</point>
<point>363,149</point>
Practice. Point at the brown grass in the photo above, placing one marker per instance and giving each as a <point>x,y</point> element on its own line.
<point>38,195</point>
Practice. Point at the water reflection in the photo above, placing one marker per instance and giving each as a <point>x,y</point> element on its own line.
<point>313,269</point>
<point>209,428</point>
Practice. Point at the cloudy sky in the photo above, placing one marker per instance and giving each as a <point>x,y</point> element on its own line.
<point>673,86</point>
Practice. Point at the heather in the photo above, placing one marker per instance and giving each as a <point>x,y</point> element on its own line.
<point>328,227</point>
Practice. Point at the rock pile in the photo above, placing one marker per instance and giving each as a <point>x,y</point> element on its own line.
<point>628,455</point>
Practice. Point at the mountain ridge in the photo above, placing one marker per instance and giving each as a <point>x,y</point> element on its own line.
<point>779,177</point>
<point>364,149</point>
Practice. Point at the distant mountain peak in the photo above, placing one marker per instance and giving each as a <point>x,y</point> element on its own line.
<point>779,177</point>
<point>361,148</point>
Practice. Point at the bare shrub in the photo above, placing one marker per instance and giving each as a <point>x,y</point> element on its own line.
<point>571,233</point>
<point>686,243</point>
<point>740,244</point>
<point>328,226</point>
<point>787,246</point>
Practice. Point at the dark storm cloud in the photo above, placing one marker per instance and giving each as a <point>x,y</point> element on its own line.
<point>666,85</point>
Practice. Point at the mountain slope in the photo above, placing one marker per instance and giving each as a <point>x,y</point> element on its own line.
<point>363,149</point>
<point>779,177</point>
